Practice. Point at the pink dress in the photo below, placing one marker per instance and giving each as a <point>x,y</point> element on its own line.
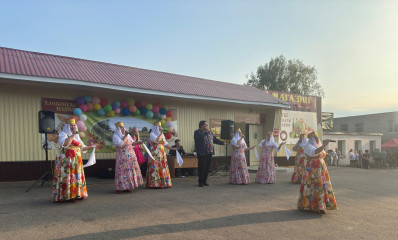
<point>239,174</point>
<point>299,165</point>
<point>138,153</point>
<point>127,171</point>
<point>266,167</point>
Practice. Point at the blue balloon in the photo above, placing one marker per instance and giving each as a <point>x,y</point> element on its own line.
<point>101,112</point>
<point>149,114</point>
<point>126,111</point>
<point>87,99</point>
<point>117,103</point>
<point>143,110</point>
<point>162,111</point>
<point>115,106</point>
<point>77,112</point>
<point>80,101</point>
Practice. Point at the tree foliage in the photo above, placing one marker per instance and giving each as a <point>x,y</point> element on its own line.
<point>286,76</point>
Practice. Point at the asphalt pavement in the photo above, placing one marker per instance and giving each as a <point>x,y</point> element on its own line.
<point>367,201</point>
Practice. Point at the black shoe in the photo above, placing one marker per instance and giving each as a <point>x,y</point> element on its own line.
<point>200,184</point>
<point>206,184</point>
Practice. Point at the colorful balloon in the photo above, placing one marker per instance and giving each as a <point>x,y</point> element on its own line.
<point>169,124</point>
<point>163,117</point>
<point>96,100</point>
<point>123,104</point>
<point>149,106</point>
<point>168,135</point>
<point>163,110</point>
<point>149,114</point>
<point>138,105</point>
<point>77,111</point>
<point>90,107</point>
<point>110,114</point>
<point>114,106</point>
<point>155,109</point>
<point>108,108</point>
<point>137,113</point>
<point>166,107</point>
<point>83,107</point>
<point>83,117</point>
<point>80,101</point>
<point>101,112</point>
<point>143,110</point>
<point>143,103</point>
<point>130,101</point>
<point>103,102</point>
<point>97,107</point>
<point>170,129</point>
<point>87,99</point>
<point>81,125</point>
<point>168,119</point>
<point>169,114</point>
<point>117,111</point>
<point>126,111</point>
<point>133,108</point>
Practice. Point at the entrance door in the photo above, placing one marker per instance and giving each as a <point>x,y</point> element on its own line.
<point>256,134</point>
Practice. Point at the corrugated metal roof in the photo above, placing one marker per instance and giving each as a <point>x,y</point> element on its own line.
<point>26,63</point>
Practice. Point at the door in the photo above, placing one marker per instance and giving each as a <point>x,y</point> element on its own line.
<point>256,134</point>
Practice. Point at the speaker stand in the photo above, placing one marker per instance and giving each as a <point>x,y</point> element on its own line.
<point>223,167</point>
<point>47,174</point>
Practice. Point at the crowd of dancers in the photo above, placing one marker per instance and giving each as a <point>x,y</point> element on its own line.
<point>69,184</point>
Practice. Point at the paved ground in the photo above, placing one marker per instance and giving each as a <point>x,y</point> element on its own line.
<point>367,199</point>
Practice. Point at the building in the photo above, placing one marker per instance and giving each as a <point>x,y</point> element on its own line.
<point>384,123</point>
<point>31,82</point>
<point>356,141</point>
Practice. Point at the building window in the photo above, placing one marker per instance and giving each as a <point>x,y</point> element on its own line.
<point>372,145</point>
<point>341,146</point>
<point>392,126</point>
<point>358,145</point>
<point>344,127</point>
<point>359,127</point>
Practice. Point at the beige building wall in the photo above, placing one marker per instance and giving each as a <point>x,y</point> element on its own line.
<point>20,104</point>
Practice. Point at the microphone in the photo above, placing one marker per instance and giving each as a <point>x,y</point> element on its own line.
<point>76,132</point>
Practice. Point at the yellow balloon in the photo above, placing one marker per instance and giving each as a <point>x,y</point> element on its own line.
<point>97,106</point>
<point>130,101</point>
<point>168,119</point>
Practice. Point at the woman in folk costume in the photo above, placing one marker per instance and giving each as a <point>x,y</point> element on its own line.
<point>158,174</point>
<point>316,191</point>
<point>266,167</point>
<point>137,148</point>
<point>299,159</point>
<point>69,182</point>
<point>127,171</point>
<point>239,173</point>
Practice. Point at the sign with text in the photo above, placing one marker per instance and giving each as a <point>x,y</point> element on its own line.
<point>295,122</point>
<point>58,105</point>
<point>297,102</point>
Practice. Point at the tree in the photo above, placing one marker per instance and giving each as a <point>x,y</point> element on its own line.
<point>286,76</point>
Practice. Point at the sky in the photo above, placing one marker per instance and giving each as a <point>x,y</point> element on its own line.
<point>352,44</point>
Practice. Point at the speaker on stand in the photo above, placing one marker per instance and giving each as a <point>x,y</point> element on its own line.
<point>46,126</point>
<point>227,133</point>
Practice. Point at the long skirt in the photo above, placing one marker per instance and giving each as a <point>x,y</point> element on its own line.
<point>266,170</point>
<point>298,168</point>
<point>127,171</point>
<point>239,173</point>
<point>158,174</point>
<point>316,191</point>
<point>69,182</point>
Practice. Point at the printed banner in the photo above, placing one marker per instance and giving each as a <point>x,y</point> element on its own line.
<point>327,121</point>
<point>100,129</point>
<point>295,122</point>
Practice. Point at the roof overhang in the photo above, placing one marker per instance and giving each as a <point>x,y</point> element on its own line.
<point>135,90</point>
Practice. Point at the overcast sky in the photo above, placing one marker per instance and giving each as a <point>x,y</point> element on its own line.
<point>352,44</point>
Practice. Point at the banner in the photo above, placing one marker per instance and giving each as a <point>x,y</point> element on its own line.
<point>100,129</point>
<point>295,122</point>
<point>327,121</point>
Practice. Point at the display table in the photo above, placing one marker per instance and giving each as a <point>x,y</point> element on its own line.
<point>189,162</point>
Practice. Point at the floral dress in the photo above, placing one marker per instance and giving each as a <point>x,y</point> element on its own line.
<point>316,191</point>
<point>69,182</point>
<point>299,165</point>
<point>239,173</point>
<point>266,167</point>
<point>127,171</point>
<point>158,174</point>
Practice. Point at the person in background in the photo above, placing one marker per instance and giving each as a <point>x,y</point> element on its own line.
<point>351,157</point>
<point>360,158</point>
<point>239,173</point>
<point>338,155</point>
<point>383,157</point>
<point>266,167</point>
<point>366,159</point>
<point>377,157</point>
<point>178,147</point>
<point>316,191</point>
<point>69,182</point>
<point>204,145</point>
<point>127,171</point>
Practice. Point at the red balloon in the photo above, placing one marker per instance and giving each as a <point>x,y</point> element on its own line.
<point>89,107</point>
<point>103,102</point>
<point>168,135</point>
<point>138,104</point>
<point>169,114</point>
<point>123,104</point>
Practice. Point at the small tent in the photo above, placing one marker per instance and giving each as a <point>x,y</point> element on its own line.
<point>392,143</point>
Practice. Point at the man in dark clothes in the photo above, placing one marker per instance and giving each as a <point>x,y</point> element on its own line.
<point>204,145</point>
<point>178,147</point>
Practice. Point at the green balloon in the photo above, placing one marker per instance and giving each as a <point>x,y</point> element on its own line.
<point>137,113</point>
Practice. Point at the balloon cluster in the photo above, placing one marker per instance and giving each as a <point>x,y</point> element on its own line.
<point>125,108</point>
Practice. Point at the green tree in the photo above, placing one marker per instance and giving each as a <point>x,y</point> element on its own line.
<point>286,76</point>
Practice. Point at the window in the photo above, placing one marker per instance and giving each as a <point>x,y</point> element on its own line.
<point>344,127</point>
<point>359,127</point>
<point>341,146</point>
<point>372,145</point>
<point>358,145</point>
<point>392,126</point>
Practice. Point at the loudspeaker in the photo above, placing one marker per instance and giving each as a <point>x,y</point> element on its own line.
<point>227,129</point>
<point>46,122</point>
